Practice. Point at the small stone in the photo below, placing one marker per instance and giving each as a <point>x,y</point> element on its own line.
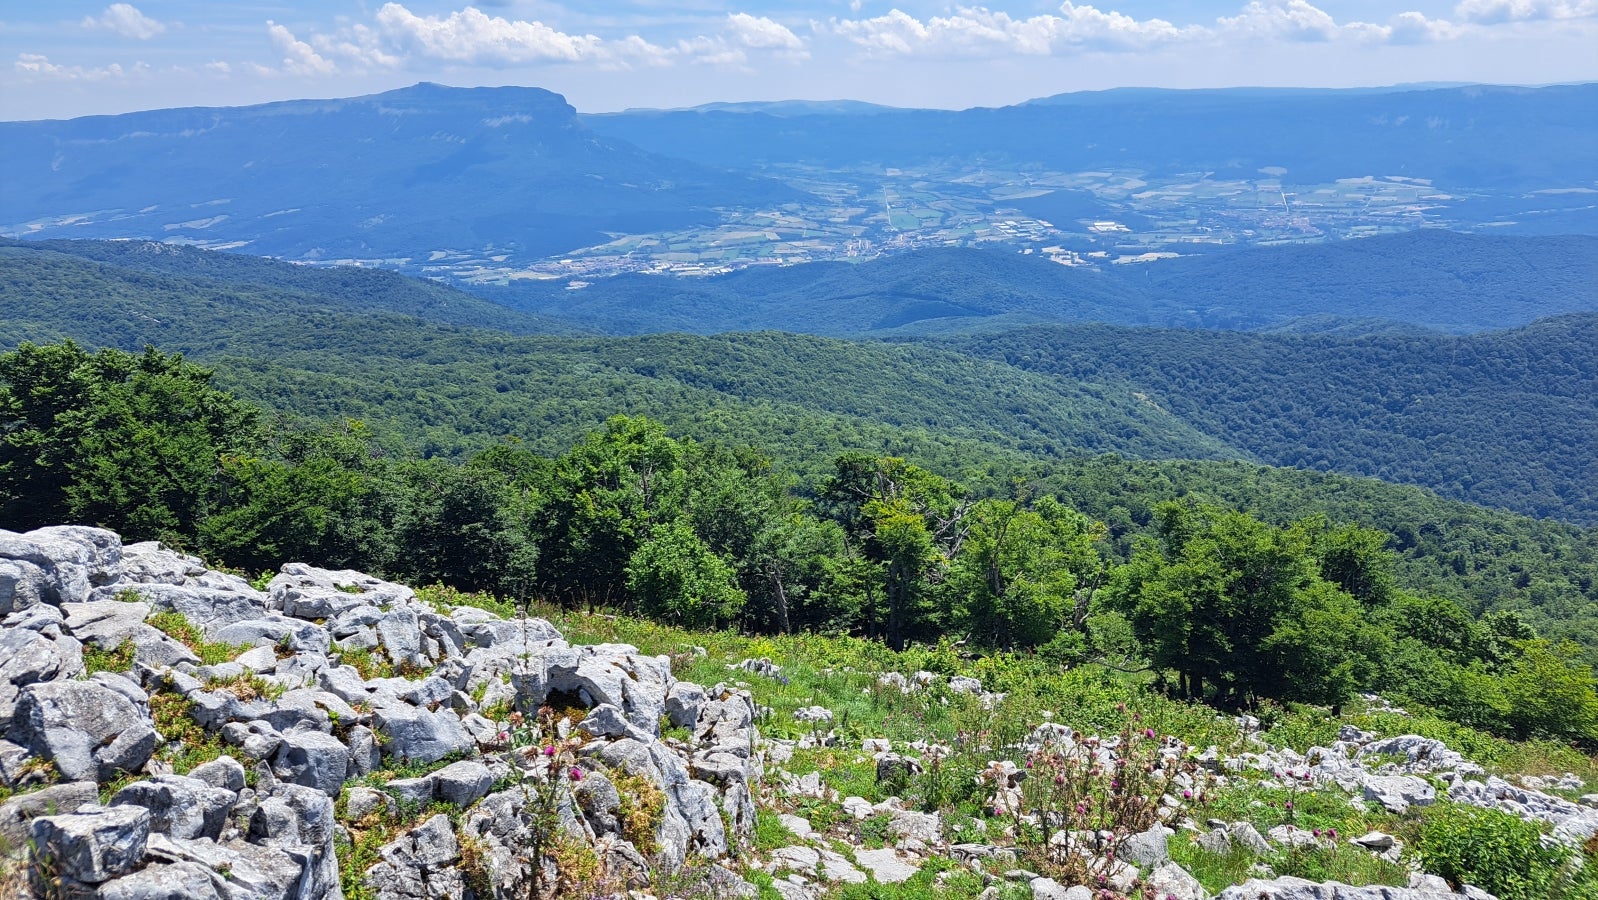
<point>224,772</point>
<point>885,866</point>
<point>462,783</point>
<point>1375,841</point>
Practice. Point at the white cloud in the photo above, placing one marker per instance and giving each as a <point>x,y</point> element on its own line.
<point>472,37</point>
<point>37,67</point>
<point>359,45</point>
<point>1495,12</point>
<point>711,50</point>
<point>634,49</point>
<point>126,20</point>
<point>976,31</point>
<point>1089,25</point>
<point>969,31</point>
<point>299,58</point>
<point>1415,28</point>
<point>761,33</point>
<point>1295,20</point>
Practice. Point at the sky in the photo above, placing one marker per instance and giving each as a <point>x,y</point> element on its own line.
<point>63,58</point>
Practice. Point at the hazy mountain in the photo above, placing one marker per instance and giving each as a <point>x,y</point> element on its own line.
<point>393,175</point>
<point>1492,138</point>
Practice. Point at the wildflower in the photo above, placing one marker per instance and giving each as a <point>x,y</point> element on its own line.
<point>1059,779</point>
<point>1289,804</point>
<point>577,774</point>
<point>1331,833</point>
<point>549,749</point>
<point>1148,733</point>
<point>1187,795</point>
<point>504,735</point>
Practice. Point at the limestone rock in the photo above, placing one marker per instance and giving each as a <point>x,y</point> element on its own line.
<point>89,729</point>
<point>462,783</point>
<point>93,846</point>
<point>1148,849</point>
<point>179,806</point>
<point>1397,793</point>
<point>885,866</point>
<point>312,759</point>
<point>17,813</point>
<point>170,881</point>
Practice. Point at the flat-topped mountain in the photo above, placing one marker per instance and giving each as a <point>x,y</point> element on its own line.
<point>398,175</point>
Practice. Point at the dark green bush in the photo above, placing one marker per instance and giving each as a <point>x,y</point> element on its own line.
<point>1495,851</point>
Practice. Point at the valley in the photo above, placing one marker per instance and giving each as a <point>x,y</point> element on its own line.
<point>1136,494</point>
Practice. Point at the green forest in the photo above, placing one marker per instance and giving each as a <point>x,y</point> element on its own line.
<point>1200,506</point>
<point>1219,603</point>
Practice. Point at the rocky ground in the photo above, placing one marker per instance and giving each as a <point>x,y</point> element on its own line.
<point>170,731</point>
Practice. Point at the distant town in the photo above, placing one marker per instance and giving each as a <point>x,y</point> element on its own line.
<point>1095,219</point>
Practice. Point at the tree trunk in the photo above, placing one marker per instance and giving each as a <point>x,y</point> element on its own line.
<point>782,598</point>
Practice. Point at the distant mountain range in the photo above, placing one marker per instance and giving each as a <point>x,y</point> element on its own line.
<point>398,175</point>
<point>476,177</point>
<point>1496,138</point>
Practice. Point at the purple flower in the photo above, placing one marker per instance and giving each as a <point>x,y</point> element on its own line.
<point>1187,795</point>
<point>577,774</point>
<point>549,749</point>
<point>1148,733</point>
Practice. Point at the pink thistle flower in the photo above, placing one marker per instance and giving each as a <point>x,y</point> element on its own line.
<point>576,774</point>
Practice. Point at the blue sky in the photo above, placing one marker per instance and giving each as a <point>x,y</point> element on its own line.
<point>67,58</point>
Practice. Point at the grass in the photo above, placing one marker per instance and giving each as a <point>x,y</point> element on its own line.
<point>770,833</point>
<point>117,659</point>
<point>178,627</point>
<point>840,673</point>
<point>370,665</point>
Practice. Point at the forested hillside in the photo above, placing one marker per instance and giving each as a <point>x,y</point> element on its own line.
<point>1238,609</point>
<point>1506,419</point>
<point>128,293</point>
<point>1042,404</point>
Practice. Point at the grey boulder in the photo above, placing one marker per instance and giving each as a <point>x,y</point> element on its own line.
<point>88,729</point>
<point>93,846</point>
<point>312,759</point>
<point>179,806</point>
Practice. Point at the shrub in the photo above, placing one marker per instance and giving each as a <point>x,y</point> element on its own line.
<point>1492,850</point>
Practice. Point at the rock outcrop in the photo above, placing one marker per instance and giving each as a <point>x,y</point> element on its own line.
<point>290,747</point>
